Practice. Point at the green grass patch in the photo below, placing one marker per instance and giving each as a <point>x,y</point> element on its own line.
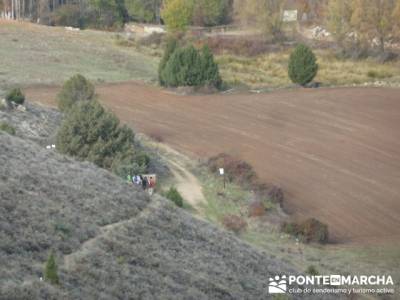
<point>7,128</point>
<point>220,201</point>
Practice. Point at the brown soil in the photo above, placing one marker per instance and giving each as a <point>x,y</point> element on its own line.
<point>335,152</point>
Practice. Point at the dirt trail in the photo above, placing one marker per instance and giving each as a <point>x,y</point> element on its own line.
<point>187,185</point>
<point>185,182</point>
<point>334,151</point>
<point>69,260</point>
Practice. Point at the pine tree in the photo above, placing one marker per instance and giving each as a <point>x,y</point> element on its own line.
<point>209,68</point>
<point>91,133</point>
<point>184,68</point>
<point>50,271</point>
<point>75,89</point>
<point>190,67</point>
<point>170,47</point>
<point>303,65</point>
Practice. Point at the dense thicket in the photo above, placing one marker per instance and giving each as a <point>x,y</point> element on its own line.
<point>188,66</point>
<point>308,231</point>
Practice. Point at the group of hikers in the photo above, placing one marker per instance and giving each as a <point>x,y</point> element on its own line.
<point>146,182</point>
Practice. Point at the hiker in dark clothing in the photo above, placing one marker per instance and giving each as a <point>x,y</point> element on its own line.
<point>144,182</point>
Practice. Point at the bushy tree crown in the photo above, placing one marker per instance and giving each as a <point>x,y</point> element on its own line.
<point>303,65</point>
<point>15,95</point>
<point>89,132</point>
<point>50,270</point>
<point>173,195</point>
<point>75,89</point>
<point>188,66</point>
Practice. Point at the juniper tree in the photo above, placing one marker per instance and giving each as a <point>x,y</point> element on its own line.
<point>91,133</point>
<point>50,270</point>
<point>170,47</point>
<point>303,65</point>
<point>15,95</point>
<point>209,68</point>
<point>190,67</point>
<point>75,89</point>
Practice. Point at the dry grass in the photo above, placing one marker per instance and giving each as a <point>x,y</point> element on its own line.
<point>270,70</point>
<point>33,54</point>
<point>145,45</point>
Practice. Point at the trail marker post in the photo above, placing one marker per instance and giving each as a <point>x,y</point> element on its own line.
<point>222,173</point>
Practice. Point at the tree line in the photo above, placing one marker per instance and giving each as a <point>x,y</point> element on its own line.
<point>357,24</point>
<point>362,24</point>
<point>112,13</point>
<point>82,13</point>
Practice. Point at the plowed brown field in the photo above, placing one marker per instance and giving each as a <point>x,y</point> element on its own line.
<point>335,152</point>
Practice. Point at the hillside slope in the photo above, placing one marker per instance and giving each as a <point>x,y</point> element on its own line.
<point>111,240</point>
<point>33,122</point>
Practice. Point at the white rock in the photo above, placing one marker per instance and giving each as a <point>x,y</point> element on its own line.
<point>21,108</point>
<point>71,28</point>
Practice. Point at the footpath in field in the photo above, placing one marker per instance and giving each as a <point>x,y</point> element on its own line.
<point>188,185</point>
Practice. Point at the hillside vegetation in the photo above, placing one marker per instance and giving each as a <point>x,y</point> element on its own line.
<point>110,241</point>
